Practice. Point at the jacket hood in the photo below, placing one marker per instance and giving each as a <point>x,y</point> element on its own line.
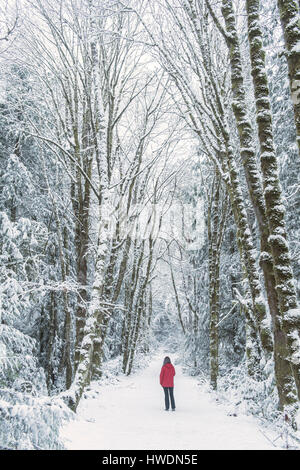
<point>168,365</point>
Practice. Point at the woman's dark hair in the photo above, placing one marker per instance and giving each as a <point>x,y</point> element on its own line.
<point>167,360</point>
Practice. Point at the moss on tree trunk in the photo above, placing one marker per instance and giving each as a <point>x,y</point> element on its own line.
<point>274,212</point>
<point>290,20</point>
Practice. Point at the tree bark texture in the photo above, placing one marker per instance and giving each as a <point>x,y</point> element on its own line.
<point>275,213</point>
<point>290,21</point>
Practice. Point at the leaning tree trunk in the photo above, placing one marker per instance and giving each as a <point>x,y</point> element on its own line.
<point>131,292</point>
<point>215,223</point>
<point>274,204</point>
<point>177,301</point>
<point>290,20</point>
<point>65,364</point>
<point>52,328</point>
<point>126,327</point>
<point>140,304</point>
<point>258,335</point>
<point>81,207</point>
<point>80,191</point>
<point>214,292</point>
<point>91,343</point>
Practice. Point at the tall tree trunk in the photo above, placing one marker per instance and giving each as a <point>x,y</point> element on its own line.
<point>248,158</point>
<point>135,334</point>
<point>127,327</point>
<point>214,285</point>
<point>258,337</point>
<point>51,340</point>
<point>290,21</point>
<point>216,218</point>
<point>91,345</point>
<point>81,207</point>
<point>177,301</point>
<point>135,290</point>
<point>65,361</point>
<point>275,213</point>
<point>91,350</point>
<point>247,152</point>
<point>140,306</point>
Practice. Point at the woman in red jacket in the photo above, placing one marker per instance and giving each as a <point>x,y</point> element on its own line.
<point>167,382</point>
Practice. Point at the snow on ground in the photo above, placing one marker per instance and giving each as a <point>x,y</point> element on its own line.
<point>129,414</point>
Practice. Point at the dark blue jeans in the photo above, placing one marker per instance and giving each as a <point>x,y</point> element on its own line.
<point>169,393</point>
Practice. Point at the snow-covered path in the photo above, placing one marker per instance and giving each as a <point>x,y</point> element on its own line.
<point>130,415</point>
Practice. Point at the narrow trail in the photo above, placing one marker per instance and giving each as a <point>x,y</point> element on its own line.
<point>130,415</point>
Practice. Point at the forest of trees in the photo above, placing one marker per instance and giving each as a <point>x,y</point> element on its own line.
<point>149,194</point>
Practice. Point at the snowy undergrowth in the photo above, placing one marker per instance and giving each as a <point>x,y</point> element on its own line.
<point>242,395</point>
<point>29,418</point>
<point>248,396</point>
<point>29,422</point>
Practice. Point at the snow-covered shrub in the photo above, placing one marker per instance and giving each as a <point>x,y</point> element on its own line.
<point>29,419</point>
<point>29,422</point>
<point>195,352</point>
<point>248,396</point>
<point>20,265</point>
<point>17,185</point>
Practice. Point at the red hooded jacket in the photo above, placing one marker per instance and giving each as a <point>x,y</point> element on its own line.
<point>167,375</point>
